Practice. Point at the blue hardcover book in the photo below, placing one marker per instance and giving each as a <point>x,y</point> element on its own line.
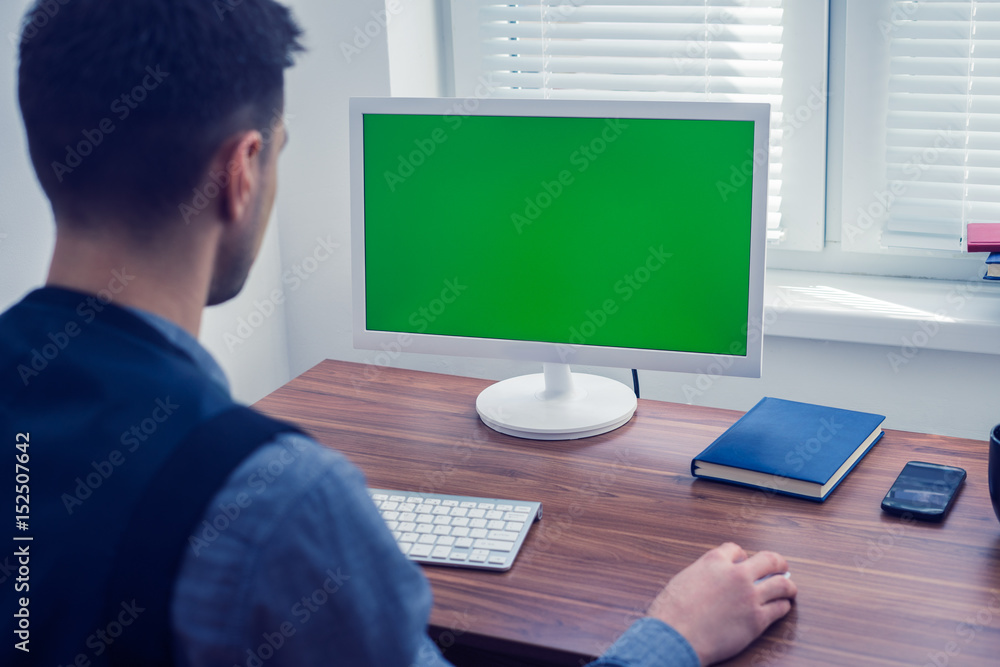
<point>798,449</point>
<point>992,267</point>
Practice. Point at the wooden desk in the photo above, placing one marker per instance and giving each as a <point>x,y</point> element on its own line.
<point>622,514</point>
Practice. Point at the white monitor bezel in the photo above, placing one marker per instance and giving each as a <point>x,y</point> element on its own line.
<point>662,360</point>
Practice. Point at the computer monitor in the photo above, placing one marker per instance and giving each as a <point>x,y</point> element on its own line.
<point>608,233</point>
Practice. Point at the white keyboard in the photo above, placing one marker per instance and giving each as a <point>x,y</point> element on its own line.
<point>460,531</point>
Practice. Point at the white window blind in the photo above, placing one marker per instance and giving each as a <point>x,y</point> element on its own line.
<point>943,122</point>
<point>699,50</point>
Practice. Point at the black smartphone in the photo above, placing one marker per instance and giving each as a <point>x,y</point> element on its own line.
<point>924,490</point>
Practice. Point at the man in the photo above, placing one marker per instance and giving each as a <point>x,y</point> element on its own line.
<point>169,525</point>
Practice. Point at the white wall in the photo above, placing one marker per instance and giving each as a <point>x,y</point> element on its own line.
<point>26,231</point>
<point>347,57</point>
<point>417,41</point>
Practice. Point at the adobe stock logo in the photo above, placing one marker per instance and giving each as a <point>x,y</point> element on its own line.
<point>363,35</point>
<point>294,277</point>
<point>38,358</point>
<point>425,316</point>
<point>122,107</point>
<point>423,148</point>
<point>627,287</point>
<point>581,158</point>
<point>131,439</point>
<point>739,176</point>
<point>219,180</point>
<point>49,9</point>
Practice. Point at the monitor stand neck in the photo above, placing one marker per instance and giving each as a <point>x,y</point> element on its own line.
<point>558,383</point>
<point>556,405</point>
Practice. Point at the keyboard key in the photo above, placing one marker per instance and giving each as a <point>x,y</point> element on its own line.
<point>415,499</point>
<point>405,547</point>
<point>407,507</point>
<point>407,526</point>
<point>505,535</point>
<point>425,518</point>
<point>440,552</point>
<point>408,537</point>
<point>442,530</point>
<point>442,521</point>
<point>496,524</point>
<point>458,555</point>
<point>465,504</point>
<point>424,508</point>
<point>433,501</point>
<point>427,539</point>
<point>516,526</point>
<point>424,528</point>
<point>522,509</point>
<point>390,516</point>
<point>485,506</point>
<point>459,531</point>
<point>477,523</point>
<point>458,511</point>
<point>446,540</point>
<point>459,521</point>
<point>478,533</point>
<point>477,514</point>
<point>494,514</point>
<point>479,555</point>
<point>441,509</point>
<point>493,545</point>
<point>498,560</point>
<point>464,542</point>
<point>397,499</point>
<point>515,516</point>
<point>388,505</point>
<point>407,516</point>
<point>421,550</point>
<point>450,503</point>
<point>505,508</point>
<point>382,496</point>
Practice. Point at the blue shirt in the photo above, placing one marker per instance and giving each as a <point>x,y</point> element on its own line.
<point>292,565</point>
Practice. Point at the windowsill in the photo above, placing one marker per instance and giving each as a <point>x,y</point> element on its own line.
<point>962,316</point>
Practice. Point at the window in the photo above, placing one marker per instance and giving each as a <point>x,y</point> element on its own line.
<point>921,131</point>
<point>714,50</point>
<point>882,180</point>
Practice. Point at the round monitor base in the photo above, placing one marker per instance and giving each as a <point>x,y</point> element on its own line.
<point>521,407</point>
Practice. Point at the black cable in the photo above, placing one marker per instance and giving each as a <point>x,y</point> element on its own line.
<point>635,382</point>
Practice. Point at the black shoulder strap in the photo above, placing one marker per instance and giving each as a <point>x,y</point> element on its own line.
<point>152,547</point>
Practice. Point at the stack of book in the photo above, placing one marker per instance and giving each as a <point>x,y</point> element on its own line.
<point>985,237</point>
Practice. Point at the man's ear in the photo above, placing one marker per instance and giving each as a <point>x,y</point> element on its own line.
<point>244,165</point>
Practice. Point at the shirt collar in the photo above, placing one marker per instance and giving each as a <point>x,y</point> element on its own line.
<point>188,343</point>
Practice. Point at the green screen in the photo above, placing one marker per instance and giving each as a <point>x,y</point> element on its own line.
<point>627,233</point>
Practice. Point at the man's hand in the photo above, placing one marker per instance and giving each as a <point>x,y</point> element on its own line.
<point>716,604</point>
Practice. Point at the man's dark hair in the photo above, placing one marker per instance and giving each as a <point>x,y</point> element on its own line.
<point>125,101</point>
